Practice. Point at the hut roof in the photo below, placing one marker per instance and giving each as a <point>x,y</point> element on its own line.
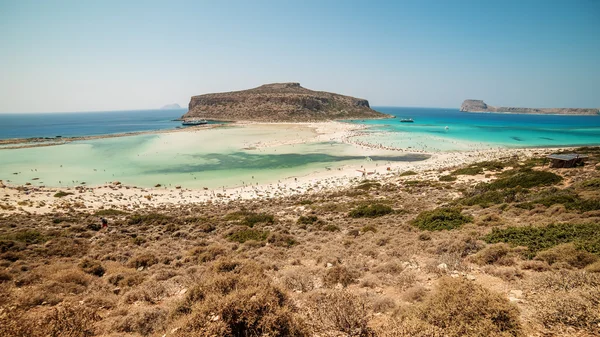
<point>567,156</point>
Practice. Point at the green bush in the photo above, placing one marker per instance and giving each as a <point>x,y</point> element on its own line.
<point>408,173</point>
<point>592,183</point>
<point>567,253</point>
<point>62,194</point>
<point>308,220</point>
<point>525,178</point>
<point>109,212</point>
<point>447,178</point>
<point>367,185</point>
<point>244,235</point>
<point>368,228</point>
<point>488,198</point>
<point>28,237</point>
<point>252,219</point>
<point>584,236</point>
<point>370,211</point>
<point>282,240</point>
<point>478,168</point>
<point>331,228</point>
<point>441,219</point>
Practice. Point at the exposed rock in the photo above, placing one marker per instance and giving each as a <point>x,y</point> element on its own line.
<point>279,102</point>
<point>473,105</point>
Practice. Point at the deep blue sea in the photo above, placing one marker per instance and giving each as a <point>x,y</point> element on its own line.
<point>28,125</point>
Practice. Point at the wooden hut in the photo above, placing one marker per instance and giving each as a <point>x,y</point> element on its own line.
<point>566,160</point>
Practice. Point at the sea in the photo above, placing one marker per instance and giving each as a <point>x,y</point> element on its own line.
<point>437,129</point>
<point>75,124</point>
<point>226,157</point>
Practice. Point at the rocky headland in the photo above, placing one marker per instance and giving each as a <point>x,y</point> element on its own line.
<point>279,102</point>
<point>473,105</point>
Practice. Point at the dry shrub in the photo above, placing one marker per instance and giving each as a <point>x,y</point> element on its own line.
<point>535,265</point>
<point>126,279</point>
<point>462,308</point>
<point>414,294</point>
<point>406,279</point>
<point>462,246</point>
<point>410,326</point>
<point>339,274</point>
<point>101,301</point>
<point>143,321</point>
<point>151,292</point>
<point>298,280</point>
<point>392,268</point>
<point>13,323</point>
<point>237,299</point>
<point>339,312</point>
<point>71,321</point>
<point>382,304</point>
<point>499,253</point>
<point>563,280</point>
<point>594,267</point>
<point>567,254</point>
<point>143,260</point>
<point>92,267</point>
<point>505,273</point>
<point>579,309</point>
<point>66,247</point>
<point>453,261</point>
<point>73,276</point>
<point>208,253</point>
<point>67,321</point>
<point>5,277</point>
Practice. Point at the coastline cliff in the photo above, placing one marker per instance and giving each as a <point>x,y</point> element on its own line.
<point>473,105</point>
<point>279,102</point>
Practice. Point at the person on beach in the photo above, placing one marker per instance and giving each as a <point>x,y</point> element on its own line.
<point>104,222</point>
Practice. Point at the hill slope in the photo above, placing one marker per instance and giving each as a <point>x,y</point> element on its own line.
<point>279,102</point>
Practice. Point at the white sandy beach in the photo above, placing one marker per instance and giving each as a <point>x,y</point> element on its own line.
<point>119,195</point>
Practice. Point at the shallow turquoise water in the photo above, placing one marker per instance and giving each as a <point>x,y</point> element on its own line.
<point>192,160</point>
<point>481,129</point>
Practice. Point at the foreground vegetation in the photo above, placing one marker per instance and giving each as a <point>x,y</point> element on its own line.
<point>516,254</point>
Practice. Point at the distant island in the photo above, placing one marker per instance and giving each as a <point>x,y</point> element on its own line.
<point>171,106</point>
<point>279,102</point>
<point>473,105</point>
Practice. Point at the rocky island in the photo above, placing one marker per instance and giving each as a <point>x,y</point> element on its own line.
<point>473,105</point>
<point>279,102</point>
<point>171,106</point>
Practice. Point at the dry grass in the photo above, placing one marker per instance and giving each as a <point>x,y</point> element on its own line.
<point>301,266</point>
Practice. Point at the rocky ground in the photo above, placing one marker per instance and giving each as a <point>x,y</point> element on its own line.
<point>498,248</point>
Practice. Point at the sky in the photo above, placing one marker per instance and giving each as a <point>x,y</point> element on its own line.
<point>61,56</point>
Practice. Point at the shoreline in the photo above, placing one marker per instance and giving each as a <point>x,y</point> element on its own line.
<point>23,198</point>
<point>42,200</point>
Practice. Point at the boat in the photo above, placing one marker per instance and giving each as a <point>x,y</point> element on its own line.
<point>190,122</point>
<point>407,120</point>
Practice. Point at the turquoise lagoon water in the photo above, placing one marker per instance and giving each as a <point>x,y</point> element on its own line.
<point>224,156</point>
<point>208,158</point>
<point>479,130</point>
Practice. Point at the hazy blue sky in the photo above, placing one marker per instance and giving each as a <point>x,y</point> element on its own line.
<point>110,55</point>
